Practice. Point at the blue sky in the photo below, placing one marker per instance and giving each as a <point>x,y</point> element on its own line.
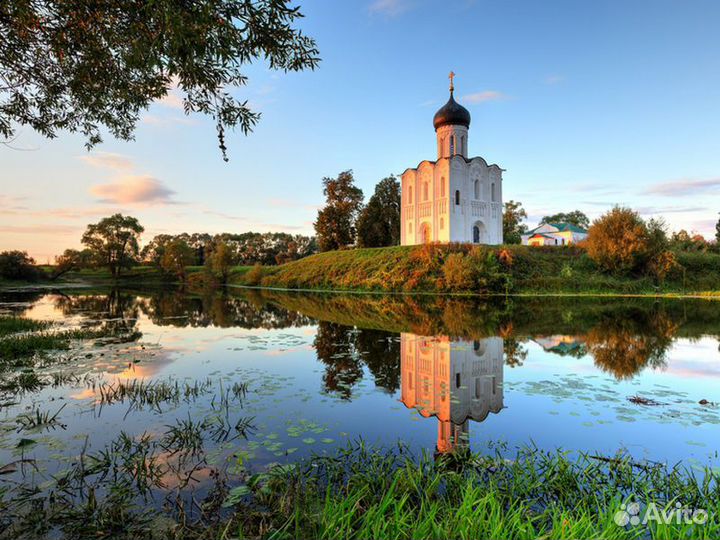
<point>585,104</point>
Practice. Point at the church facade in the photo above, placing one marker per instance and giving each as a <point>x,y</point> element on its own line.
<point>454,198</point>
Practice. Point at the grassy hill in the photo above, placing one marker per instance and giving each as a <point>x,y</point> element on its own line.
<point>467,269</point>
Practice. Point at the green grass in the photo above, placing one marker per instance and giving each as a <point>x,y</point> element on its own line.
<point>361,493</point>
<point>365,493</point>
<point>16,325</point>
<point>482,270</point>
<point>21,346</point>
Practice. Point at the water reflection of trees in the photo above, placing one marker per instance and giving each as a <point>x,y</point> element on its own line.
<point>221,310</point>
<point>119,308</point>
<point>625,345</point>
<point>622,336</point>
<point>115,312</point>
<point>357,332</point>
<point>346,350</point>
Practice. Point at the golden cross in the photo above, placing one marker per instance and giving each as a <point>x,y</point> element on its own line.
<point>451,77</point>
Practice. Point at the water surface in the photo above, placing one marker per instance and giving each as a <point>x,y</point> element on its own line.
<point>271,377</point>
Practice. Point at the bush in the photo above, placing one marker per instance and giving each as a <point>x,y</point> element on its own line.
<point>620,242</point>
<point>254,275</point>
<point>459,273</point>
<point>18,265</point>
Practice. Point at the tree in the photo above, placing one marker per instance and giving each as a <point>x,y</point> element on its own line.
<point>717,232</point>
<point>335,224</point>
<point>512,222</point>
<point>220,260</point>
<point>576,217</point>
<point>114,242</point>
<point>71,259</point>
<point>18,265</point>
<point>84,66</point>
<point>176,256</point>
<point>379,222</point>
<point>621,242</point>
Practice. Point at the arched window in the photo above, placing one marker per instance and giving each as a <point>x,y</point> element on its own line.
<point>477,188</point>
<point>463,150</point>
<point>442,187</point>
<point>442,223</point>
<point>409,228</point>
<point>457,380</point>
<point>409,195</point>
<point>492,192</point>
<point>457,197</point>
<point>452,145</point>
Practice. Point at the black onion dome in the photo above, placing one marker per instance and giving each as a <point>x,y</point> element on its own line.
<point>452,113</point>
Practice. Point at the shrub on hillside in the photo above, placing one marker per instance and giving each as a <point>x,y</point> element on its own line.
<point>459,273</point>
<point>621,242</point>
<point>18,265</point>
<point>254,275</point>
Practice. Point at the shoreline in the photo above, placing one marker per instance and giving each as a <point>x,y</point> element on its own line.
<point>28,287</point>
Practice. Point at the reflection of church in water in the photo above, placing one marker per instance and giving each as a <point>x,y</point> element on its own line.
<point>455,381</point>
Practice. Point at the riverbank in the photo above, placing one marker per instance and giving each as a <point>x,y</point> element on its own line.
<point>480,270</point>
<point>360,492</point>
<point>433,269</point>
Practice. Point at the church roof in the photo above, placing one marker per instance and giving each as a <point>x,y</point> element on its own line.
<point>452,113</point>
<point>456,156</point>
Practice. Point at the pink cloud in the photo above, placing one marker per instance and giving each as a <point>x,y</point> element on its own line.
<point>133,189</point>
<point>108,160</point>
<point>679,188</point>
<point>487,95</point>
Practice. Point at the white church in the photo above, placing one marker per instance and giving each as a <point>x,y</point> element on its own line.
<point>454,198</point>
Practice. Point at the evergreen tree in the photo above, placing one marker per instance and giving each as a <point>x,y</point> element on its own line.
<point>379,222</point>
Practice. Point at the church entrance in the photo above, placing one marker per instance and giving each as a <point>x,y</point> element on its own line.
<point>425,233</point>
<point>479,234</point>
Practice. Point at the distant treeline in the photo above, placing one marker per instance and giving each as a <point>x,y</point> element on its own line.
<point>245,249</point>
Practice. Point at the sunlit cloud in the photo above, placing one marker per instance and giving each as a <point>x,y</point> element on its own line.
<point>649,210</point>
<point>108,160</point>
<point>554,79</point>
<point>487,95</point>
<point>164,121</point>
<point>389,8</point>
<point>53,229</point>
<point>685,187</point>
<point>173,99</point>
<point>133,189</point>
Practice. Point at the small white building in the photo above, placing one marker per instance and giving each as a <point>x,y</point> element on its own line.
<point>554,234</point>
<point>454,198</point>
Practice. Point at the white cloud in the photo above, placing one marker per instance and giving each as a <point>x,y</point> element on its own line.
<point>108,160</point>
<point>171,100</point>
<point>684,187</point>
<point>390,8</point>
<point>487,95</point>
<point>133,189</point>
<point>554,79</point>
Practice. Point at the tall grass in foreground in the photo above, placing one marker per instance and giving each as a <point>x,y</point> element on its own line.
<point>363,493</point>
<point>15,325</point>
